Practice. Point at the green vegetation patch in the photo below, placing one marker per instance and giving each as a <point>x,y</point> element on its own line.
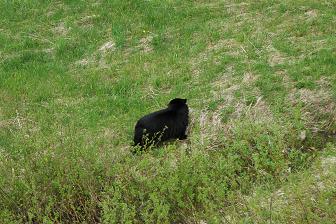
<point>260,81</point>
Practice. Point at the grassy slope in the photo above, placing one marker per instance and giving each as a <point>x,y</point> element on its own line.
<point>75,76</point>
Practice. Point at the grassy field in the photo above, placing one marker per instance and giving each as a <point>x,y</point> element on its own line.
<point>260,79</point>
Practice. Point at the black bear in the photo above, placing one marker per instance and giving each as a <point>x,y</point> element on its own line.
<point>162,125</point>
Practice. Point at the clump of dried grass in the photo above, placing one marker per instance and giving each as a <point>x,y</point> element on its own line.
<point>319,109</point>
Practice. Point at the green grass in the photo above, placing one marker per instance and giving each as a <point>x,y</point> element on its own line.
<point>260,79</point>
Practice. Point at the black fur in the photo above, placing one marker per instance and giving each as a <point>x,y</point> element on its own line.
<point>162,125</point>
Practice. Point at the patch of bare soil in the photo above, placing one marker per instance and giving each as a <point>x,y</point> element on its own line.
<point>311,14</point>
<point>145,44</point>
<point>19,121</point>
<point>86,21</point>
<point>69,101</point>
<point>61,29</point>
<point>98,58</point>
<point>275,57</point>
<point>108,46</point>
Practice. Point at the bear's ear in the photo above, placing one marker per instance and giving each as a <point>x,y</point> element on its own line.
<point>185,100</point>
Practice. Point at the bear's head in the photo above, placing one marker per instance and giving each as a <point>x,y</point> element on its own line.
<point>177,102</point>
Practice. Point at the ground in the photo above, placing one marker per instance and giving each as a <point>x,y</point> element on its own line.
<point>260,79</point>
